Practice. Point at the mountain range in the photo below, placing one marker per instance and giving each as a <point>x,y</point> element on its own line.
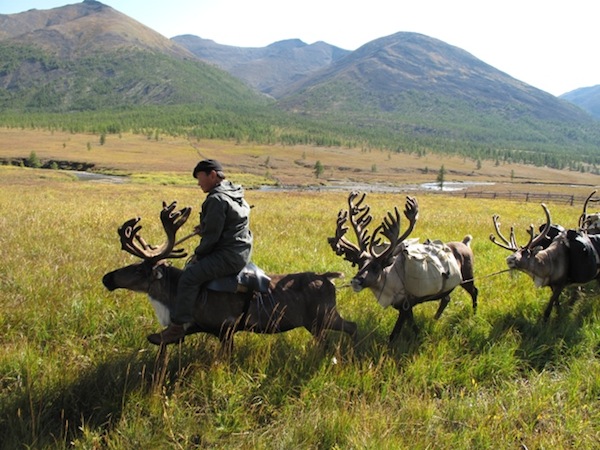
<point>88,56</point>
<point>270,69</point>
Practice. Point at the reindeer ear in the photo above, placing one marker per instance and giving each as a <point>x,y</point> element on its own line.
<point>388,260</point>
<point>157,271</point>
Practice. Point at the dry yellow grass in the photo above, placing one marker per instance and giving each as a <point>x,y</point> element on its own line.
<point>286,165</point>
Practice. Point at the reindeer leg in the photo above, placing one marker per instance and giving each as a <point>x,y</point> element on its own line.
<point>411,318</point>
<point>556,290</point>
<point>317,327</point>
<point>335,322</point>
<point>226,339</point>
<point>575,294</point>
<point>318,332</point>
<point>397,327</point>
<point>352,330</point>
<point>473,291</point>
<point>161,364</point>
<point>443,303</point>
<point>401,319</point>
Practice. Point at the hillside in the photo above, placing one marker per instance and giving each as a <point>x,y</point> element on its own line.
<point>421,87</point>
<point>89,56</point>
<point>387,72</point>
<point>408,92</point>
<point>268,69</point>
<point>587,98</point>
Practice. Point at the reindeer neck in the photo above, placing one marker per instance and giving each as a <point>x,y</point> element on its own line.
<point>164,288</point>
<point>546,268</point>
<point>389,289</point>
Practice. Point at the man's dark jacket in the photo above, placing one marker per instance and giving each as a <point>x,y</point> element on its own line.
<point>224,223</point>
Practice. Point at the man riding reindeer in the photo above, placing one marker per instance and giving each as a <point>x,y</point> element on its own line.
<point>225,245</point>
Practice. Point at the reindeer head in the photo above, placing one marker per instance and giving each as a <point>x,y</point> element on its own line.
<point>522,258</point>
<point>371,255</point>
<point>139,276</point>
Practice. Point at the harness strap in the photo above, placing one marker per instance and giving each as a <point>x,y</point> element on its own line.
<point>487,276</point>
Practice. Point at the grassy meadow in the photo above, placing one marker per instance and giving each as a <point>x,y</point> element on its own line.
<point>76,370</point>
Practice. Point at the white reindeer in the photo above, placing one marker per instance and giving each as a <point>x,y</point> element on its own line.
<point>402,273</point>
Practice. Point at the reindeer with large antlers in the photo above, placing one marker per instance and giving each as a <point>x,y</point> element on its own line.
<point>570,258</point>
<point>262,305</point>
<point>402,273</point>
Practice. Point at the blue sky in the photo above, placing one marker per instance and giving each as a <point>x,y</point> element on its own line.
<point>551,44</point>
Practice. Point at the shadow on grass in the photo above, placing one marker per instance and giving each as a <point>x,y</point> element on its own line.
<point>56,415</point>
<point>375,329</point>
<point>543,344</point>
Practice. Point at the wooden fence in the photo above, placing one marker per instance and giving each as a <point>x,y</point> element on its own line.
<point>537,197</point>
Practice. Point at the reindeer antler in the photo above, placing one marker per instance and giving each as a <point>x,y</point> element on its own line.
<point>360,217</point>
<point>508,244</point>
<point>511,243</point>
<point>171,220</point>
<point>583,219</point>
<point>533,240</point>
<point>411,212</point>
<point>342,246</point>
<point>390,229</point>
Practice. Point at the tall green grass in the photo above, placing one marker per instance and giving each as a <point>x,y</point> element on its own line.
<point>76,370</point>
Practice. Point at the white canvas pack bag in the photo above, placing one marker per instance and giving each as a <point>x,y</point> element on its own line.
<point>429,268</point>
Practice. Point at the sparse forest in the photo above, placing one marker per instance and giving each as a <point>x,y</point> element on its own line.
<point>265,125</point>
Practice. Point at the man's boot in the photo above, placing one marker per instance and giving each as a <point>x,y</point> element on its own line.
<point>173,334</point>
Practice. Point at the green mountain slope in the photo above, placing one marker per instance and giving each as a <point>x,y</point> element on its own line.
<point>397,72</point>
<point>89,56</point>
<point>34,78</point>
<point>587,98</point>
<point>425,93</point>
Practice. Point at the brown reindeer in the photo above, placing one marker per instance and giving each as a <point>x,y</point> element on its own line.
<point>293,300</point>
<point>569,259</point>
<point>383,267</point>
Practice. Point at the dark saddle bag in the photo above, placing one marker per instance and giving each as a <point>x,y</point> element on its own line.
<point>583,256</point>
